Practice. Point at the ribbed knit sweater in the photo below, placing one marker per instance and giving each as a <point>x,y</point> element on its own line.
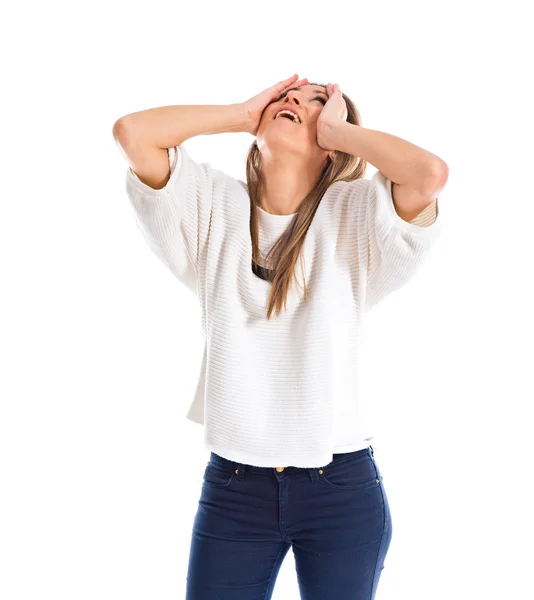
<point>280,392</point>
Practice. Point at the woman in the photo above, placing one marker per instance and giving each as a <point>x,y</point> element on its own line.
<point>291,461</point>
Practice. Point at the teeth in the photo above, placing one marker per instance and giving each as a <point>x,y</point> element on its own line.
<point>288,112</point>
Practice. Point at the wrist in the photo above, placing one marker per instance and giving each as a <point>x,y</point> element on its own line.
<point>335,134</point>
<point>242,123</point>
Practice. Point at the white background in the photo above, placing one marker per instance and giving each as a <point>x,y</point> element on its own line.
<point>100,472</point>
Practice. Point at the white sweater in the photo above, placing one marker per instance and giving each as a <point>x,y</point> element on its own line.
<point>280,392</point>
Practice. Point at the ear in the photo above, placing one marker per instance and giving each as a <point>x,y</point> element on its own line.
<point>332,154</point>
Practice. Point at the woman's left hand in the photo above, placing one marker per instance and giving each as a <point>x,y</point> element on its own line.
<point>334,111</point>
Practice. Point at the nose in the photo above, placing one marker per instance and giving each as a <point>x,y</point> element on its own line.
<point>292,96</point>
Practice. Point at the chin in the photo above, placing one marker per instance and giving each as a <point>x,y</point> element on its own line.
<point>281,144</point>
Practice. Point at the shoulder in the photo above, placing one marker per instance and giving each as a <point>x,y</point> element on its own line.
<point>345,191</point>
<point>202,175</point>
<point>343,199</point>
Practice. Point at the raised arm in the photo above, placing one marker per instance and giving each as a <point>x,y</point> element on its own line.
<point>145,136</point>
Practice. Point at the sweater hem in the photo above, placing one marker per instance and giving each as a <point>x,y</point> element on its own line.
<point>175,170</point>
<point>384,196</point>
<point>307,460</point>
<point>359,445</point>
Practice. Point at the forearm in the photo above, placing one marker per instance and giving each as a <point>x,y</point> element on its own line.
<point>169,126</point>
<point>399,160</point>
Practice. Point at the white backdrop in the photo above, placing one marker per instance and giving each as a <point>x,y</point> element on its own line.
<point>100,472</point>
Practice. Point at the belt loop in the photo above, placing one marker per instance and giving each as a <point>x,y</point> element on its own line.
<point>312,473</point>
<point>240,471</point>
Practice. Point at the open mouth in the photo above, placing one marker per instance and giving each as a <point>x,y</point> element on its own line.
<point>287,114</point>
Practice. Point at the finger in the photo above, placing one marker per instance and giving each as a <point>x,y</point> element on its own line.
<point>283,84</point>
<point>286,81</point>
<point>299,83</point>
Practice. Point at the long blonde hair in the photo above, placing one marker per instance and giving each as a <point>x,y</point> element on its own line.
<point>283,256</point>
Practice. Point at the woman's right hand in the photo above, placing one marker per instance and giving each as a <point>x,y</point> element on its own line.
<point>255,106</point>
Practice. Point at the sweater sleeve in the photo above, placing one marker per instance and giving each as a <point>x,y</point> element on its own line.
<point>175,219</point>
<point>396,248</point>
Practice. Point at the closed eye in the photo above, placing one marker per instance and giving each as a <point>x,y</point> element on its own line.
<point>320,98</point>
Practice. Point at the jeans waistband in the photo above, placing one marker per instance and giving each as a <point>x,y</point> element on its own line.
<point>312,471</point>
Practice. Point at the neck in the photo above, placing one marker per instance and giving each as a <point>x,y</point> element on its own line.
<point>286,182</point>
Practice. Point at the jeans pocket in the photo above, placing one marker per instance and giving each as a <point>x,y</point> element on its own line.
<point>354,473</point>
<point>218,475</point>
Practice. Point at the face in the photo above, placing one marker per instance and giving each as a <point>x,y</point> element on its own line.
<point>285,134</point>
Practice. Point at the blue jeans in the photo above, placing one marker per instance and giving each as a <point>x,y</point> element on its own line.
<point>336,518</point>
